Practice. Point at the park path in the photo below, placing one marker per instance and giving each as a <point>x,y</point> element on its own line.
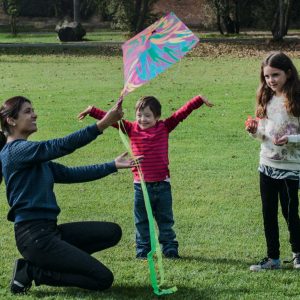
<point>208,47</point>
<point>255,38</point>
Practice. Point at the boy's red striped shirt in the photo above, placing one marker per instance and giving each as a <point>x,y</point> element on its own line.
<point>152,142</point>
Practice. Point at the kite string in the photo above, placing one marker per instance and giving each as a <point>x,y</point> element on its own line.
<point>155,248</point>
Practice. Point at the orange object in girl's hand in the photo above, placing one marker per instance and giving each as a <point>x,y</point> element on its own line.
<point>251,124</point>
<point>248,121</point>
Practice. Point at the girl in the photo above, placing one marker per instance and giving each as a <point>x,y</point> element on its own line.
<point>277,125</point>
<point>56,255</point>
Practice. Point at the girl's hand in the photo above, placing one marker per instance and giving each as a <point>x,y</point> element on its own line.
<point>251,125</point>
<point>123,161</point>
<point>206,102</point>
<point>112,116</point>
<point>280,141</point>
<point>83,114</point>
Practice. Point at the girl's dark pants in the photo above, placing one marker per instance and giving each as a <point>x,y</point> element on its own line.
<point>60,255</point>
<point>287,190</point>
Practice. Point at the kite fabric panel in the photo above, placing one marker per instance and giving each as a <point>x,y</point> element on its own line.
<point>154,50</point>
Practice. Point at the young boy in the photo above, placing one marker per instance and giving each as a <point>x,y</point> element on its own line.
<point>149,137</point>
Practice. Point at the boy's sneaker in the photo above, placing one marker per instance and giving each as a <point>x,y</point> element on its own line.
<point>296,260</point>
<point>20,282</point>
<point>172,254</point>
<point>266,264</point>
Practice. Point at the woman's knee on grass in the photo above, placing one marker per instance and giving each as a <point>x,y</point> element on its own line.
<point>116,233</point>
<point>106,281</point>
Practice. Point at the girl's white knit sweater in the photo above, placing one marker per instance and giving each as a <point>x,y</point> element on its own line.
<point>279,123</point>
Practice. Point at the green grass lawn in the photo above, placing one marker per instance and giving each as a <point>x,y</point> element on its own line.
<point>213,166</point>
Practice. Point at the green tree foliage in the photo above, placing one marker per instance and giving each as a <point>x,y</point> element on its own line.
<point>227,15</point>
<point>87,8</point>
<point>13,10</point>
<point>58,8</point>
<point>99,7</point>
<point>32,8</point>
<point>132,15</point>
<point>276,16</point>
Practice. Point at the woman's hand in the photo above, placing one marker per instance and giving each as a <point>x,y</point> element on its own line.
<point>206,102</point>
<point>112,116</point>
<point>280,141</point>
<point>83,114</point>
<point>251,125</point>
<point>124,161</point>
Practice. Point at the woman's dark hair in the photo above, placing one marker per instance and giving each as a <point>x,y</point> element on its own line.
<point>9,109</point>
<point>151,102</point>
<point>291,88</point>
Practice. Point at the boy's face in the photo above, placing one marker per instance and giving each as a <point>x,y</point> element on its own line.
<point>145,118</point>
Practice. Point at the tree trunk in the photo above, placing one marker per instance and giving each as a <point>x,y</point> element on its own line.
<point>137,13</point>
<point>13,25</point>
<point>286,16</point>
<point>227,15</point>
<point>135,18</point>
<point>281,20</point>
<point>237,16</point>
<point>76,7</point>
<point>275,23</point>
<point>217,6</point>
<point>142,15</point>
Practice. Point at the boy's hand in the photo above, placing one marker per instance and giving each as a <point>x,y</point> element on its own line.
<point>206,102</point>
<point>124,162</point>
<point>83,114</point>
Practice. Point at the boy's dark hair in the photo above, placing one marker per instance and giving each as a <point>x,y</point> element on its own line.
<point>151,102</point>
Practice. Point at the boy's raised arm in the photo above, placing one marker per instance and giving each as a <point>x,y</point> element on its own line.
<point>183,112</point>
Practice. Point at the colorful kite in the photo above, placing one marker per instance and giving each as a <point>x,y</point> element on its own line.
<point>154,50</point>
<point>145,56</point>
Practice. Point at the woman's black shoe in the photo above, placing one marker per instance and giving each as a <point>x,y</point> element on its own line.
<point>20,282</point>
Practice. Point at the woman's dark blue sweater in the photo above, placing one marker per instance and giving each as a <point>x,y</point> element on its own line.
<point>30,174</point>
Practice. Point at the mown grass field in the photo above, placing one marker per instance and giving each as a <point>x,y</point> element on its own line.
<point>213,172</point>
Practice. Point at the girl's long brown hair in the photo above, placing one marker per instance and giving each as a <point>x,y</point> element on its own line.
<point>291,88</point>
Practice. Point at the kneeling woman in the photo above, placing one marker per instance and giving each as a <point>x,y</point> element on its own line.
<point>56,255</point>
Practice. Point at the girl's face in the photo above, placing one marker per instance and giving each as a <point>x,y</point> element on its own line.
<point>275,79</point>
<point>25,124</point>
<point>145,118</point>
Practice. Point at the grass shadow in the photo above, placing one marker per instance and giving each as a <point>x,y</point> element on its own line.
<point>145,293</point>
<point>119,292</point>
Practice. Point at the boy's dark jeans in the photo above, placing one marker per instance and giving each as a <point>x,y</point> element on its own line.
<point>161,202</point>
<point>287,190</point>
<point>61,255</point>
